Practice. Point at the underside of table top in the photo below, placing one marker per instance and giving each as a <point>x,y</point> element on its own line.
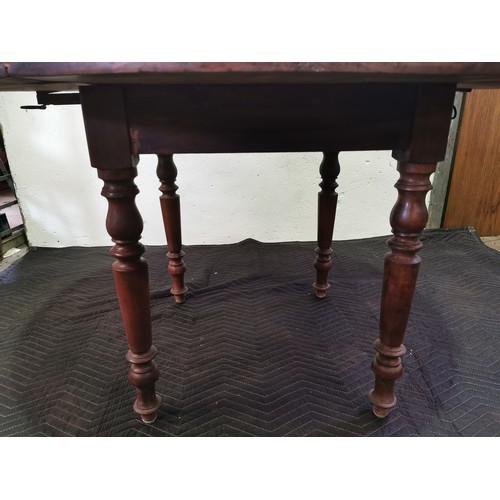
<point>68,76</point>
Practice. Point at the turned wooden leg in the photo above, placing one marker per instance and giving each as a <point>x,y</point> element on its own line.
<point>171,212</point>
<point>327,206</point>
<point>408,219</point>
<point>130,271</point>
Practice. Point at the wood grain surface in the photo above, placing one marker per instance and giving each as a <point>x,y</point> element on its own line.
<point>474,195</point>
<point>68,75</point>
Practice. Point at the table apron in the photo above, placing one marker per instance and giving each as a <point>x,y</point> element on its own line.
<point>269,118</point>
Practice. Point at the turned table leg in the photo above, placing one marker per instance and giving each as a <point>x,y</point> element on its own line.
<point>327,207</point>
<point>171,212</point>
<point>408,219</point>
<point>130,271</point>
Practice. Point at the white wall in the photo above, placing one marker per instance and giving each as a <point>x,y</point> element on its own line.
<point>225,197</point>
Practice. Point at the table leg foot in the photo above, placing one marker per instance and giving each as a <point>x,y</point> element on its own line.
<point>143,374</point>
<point>171,212</point>
<point>148,415</point>
<point>380,409</point>
<point>327,206</point>
<point>387,368</point>
<point>380,412</point>
<point>149,419</point>
<point>321,290</point>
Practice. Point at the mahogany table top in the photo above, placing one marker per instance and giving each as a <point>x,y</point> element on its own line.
<point>69,75</point>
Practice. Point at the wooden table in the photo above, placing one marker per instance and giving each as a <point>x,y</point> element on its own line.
<point>166,108</point>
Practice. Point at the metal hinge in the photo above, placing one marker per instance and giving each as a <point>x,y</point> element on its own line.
<point>45,98</point>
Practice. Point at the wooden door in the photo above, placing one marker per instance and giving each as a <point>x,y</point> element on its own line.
<point>474,194</point>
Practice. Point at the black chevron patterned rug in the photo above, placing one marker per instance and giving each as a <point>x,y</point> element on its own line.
<point>252,352</point>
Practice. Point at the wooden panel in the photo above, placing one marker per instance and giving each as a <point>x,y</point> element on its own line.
<point>474,195</point>
<point>431,123</point>
<point>106,127</point>
<point>441,180</point>
<point>266,118</point>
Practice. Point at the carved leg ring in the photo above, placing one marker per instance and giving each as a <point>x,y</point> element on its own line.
<point>171,212</point>
<point>408,219</point>
<point>327,206</point>
<point>130,271</point>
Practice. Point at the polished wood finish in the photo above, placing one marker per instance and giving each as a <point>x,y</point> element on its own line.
<point>110,152</point>
<point>106,128</point>
<point>130,271</point>
<point>166,108</point>
<point>401,265</point>
<point>431,121</point>
<point>474,193</point>
<point>431,117</point>
<point>64,75</point>
<point>327,207</point>
<point>171,119</point>
<point>171,212</point>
